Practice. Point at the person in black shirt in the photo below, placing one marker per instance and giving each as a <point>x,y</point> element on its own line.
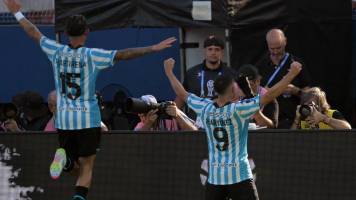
<point>199,79</point>
<point>274,68</point>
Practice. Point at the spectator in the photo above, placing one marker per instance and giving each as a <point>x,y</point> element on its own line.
<point>199,80</point>
<point>314,112</point>
<point>274,68</point>
<point>33,112</point>
<point>11,122</point>
<point>152,121</point>
<point>52,106</point>
<point>268,115</point>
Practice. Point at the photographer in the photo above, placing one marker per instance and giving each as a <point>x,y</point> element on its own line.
<point>315,113</point>
<point>172,119</point>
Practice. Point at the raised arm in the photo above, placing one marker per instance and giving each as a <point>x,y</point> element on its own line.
<point>130,53</point>
<point>278,88</point>
<point>15,8</point>
<point>176,85</point>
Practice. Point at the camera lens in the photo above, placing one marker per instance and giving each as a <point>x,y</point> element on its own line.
<point>305,111</point>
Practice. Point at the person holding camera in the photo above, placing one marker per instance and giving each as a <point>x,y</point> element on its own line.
<point>166,117</point>
<point>314,112</point>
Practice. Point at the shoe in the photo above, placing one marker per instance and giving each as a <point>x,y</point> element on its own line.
<point>58,163</point>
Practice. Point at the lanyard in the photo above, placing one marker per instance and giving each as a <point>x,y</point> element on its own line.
<point>278,69</point>
<point>202,92</point>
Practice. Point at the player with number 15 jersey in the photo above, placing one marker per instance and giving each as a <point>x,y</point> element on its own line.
<point>75,72</point>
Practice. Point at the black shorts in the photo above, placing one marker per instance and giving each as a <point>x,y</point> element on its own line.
<point>80,143</point>
<point>245,190</point>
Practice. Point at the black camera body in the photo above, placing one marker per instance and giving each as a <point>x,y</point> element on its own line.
<point>134,105</point>
<point>306,110</point>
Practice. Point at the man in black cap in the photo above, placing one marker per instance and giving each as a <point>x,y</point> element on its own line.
<point>199,79</point>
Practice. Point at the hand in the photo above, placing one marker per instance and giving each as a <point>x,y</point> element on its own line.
<point>151,116</point>
<point>316,117</point>
<point>295,68</point>
<point>11,125</point>
<point>13,5</point>
<point>172,110</point>
<point>169,65</point>
<point>291,89</point>
<point>164,44</point>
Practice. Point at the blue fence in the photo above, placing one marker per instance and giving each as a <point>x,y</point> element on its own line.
<point>25,67</point>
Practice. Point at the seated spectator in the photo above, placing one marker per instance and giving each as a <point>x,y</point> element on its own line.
<point>314,112</point>
<point>52,106</point>
<point>10,123</point>
<point>152,121</point>
<point>34,114</point>
<point>268,115</point>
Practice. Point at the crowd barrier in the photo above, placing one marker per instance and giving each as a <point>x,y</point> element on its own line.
<point>287,165</point>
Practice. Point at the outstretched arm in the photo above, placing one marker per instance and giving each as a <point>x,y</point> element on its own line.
<point>176,85</point>
<point>14,7</point>
<point>130,53</point>
<point>278,88</point>
<point>182,120</point>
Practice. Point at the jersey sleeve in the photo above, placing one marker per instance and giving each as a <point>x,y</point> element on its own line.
<point>102,59</point>
<point>49,47</point>
<point>196,103</point>
<point>248,107</point>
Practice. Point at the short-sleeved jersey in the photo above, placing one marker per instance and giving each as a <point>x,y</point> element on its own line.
<point>227,129</point>
<point>75,72</point>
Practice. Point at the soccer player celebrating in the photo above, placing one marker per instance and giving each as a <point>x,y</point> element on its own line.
<point>75,70</point>
<point>226,124</point>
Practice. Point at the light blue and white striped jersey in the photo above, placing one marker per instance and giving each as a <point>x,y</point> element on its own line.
<point>75,72</point>
<point>227,129</point>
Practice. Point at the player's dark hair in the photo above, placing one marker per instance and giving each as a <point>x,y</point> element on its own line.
<point>222,82</point>
<point>76,25</point>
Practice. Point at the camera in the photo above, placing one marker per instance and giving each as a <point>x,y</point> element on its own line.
<point>306,110</point>
<point>135,105</point>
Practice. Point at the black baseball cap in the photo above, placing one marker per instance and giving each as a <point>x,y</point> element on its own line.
<point>250,71</point>
<point>214,41</point>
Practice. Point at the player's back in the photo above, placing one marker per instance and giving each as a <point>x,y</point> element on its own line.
<point>75,72</point>
<point>227,129</point>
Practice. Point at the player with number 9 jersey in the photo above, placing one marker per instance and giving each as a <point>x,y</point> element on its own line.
<point>227,130</point>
